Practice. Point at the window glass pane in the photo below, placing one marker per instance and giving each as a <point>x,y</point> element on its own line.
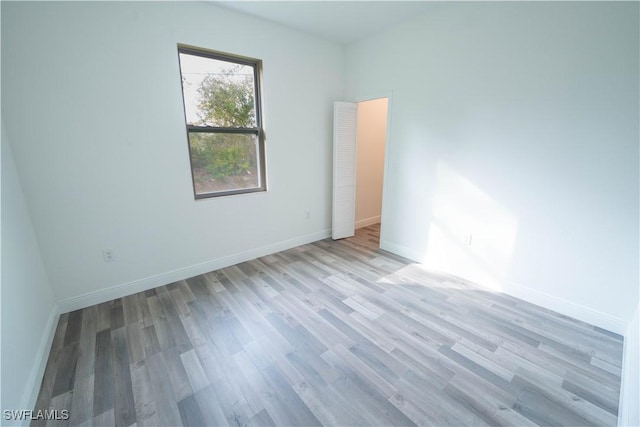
<point>224,162</point>
<point>217,93</point>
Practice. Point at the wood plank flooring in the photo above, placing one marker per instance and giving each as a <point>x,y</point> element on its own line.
<point>330,333</point>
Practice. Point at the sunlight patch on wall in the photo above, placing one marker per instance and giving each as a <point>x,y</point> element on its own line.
<point>471,235</point>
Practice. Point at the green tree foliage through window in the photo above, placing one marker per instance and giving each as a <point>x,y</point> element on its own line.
<point>227,101</point>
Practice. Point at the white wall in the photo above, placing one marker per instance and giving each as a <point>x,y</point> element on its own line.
<point>92,103</point>
<point>372,134</point>
<point>28,309</point>
<point>515,124</point>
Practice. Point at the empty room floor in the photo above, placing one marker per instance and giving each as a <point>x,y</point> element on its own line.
<point>329,333</point>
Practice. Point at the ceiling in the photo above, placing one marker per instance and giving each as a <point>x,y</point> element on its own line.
<point>339,21</point>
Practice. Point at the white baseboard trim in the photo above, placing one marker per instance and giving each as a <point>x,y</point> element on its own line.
<point>32,385</point>
<point>403,251</point>
<point>628,412</point>
<point>568,308</point>
<point>368,221</point>
<point>559,305</point>
<point>124,289</point>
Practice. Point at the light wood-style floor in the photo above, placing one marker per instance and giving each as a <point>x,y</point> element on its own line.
<point>331,333</point>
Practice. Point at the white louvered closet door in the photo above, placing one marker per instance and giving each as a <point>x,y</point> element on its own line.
<point>345,117</point>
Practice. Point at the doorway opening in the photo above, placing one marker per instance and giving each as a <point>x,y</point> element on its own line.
<point>359,146</point>
<point>370,160</point>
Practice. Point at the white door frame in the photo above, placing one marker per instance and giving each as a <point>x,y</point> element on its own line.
<point>386,168</point>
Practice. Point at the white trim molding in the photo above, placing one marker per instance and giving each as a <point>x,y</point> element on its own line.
<point>403,251</point>
<point>628,413</point>
<point>140,285</point>
<point>32,387</point>
<point>533,296</point>
<point>566,307</point>
<point>368,221</point>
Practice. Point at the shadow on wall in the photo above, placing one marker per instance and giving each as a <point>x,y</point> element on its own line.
<point>471,235</point>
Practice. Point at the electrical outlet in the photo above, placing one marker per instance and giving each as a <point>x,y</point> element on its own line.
<point>108,255</point>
